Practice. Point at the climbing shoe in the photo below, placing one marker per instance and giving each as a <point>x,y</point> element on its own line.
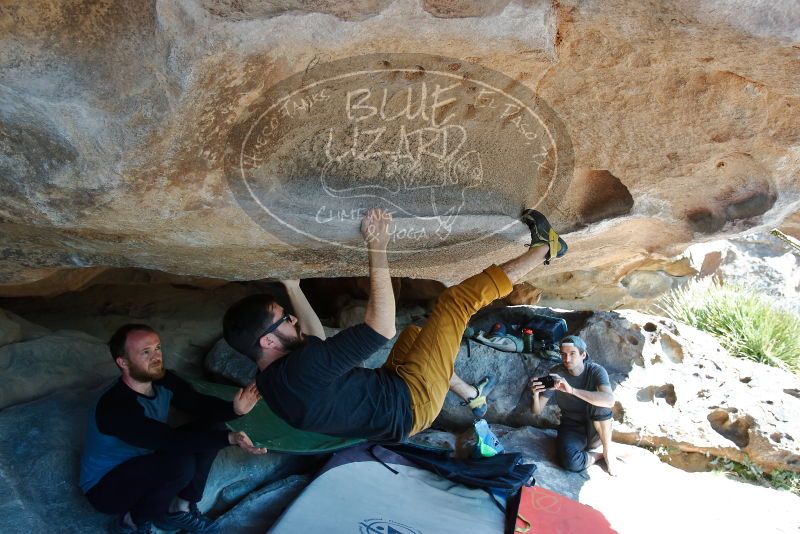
<point>191,521</point>
<point>121,527</point>
<point>543,234</point>
<point>487,444</point>
<point>200,516</point>
<point>479,404</point>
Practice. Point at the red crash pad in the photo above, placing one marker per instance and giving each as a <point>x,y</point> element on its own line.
<point>542,511</point>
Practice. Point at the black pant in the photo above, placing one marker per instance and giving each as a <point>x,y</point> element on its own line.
<point>574,437</point>
<point>146,485</point>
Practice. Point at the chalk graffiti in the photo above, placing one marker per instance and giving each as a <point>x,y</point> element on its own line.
<point>429,157</point>
<point>408,132</point>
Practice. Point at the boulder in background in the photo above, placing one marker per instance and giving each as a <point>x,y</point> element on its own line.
<point>61,360</point>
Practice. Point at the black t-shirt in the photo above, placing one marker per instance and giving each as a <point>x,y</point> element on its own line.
<point>319,388</point>
<point>125,424</point>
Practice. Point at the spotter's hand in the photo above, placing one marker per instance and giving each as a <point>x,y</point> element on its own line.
<point>245,399</point>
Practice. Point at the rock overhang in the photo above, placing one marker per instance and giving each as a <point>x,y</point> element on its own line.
<point>683,129</point>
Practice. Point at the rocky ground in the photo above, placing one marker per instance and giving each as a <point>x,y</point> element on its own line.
<point>677,391</point>
<point>647,495</point>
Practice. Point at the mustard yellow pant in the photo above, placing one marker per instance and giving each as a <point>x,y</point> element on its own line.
<point>425,357</point>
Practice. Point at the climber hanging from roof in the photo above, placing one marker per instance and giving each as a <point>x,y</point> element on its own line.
<point>317,384</point>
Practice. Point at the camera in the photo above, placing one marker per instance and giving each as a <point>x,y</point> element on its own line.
<point>547,381</point>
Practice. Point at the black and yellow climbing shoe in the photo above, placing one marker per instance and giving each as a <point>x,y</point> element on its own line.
<point>479,404</point>
<point>543,234</point>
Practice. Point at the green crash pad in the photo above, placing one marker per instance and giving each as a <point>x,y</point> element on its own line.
<point>270,431</point>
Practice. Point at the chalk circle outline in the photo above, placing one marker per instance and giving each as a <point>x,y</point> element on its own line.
<point>557,185</point>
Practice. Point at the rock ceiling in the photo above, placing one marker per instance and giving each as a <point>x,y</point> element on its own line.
<point>241,139</point>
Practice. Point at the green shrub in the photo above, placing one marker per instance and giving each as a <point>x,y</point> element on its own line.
<point>745,322</point>
<point>786,480</point>
<point>748,472</point>
<point>745,470</point>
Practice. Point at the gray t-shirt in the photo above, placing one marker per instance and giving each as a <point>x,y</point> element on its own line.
<point>572,407</point>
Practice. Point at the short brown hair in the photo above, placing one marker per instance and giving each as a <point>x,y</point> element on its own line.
<point>117,342</point>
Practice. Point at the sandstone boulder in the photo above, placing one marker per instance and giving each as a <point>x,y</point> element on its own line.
<point>352,312</point>
<point>14,328</point>
<point>61,360</point>
<point>10,330</point>
<point>677,387</point>
<point>257,512</point>
<point>125,129</point>
<point>235,475</point>
<point>223,361</point>
<point>761,262</point>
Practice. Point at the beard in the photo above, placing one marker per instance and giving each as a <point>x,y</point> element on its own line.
<point>292,343</point>
<point>147,374</point>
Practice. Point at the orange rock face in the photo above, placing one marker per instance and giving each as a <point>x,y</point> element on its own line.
<point>638,127</point>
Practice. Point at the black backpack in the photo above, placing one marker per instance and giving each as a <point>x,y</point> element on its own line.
<point>502,476</point>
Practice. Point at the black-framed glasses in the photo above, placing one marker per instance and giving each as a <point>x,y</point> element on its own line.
<point>271,328</point>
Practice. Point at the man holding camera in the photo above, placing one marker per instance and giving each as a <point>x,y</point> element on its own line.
<point>583,393</point>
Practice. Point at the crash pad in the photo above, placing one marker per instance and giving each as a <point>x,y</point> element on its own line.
<point>268,430</point>
<point>542,511</point>
<point>372,490</point>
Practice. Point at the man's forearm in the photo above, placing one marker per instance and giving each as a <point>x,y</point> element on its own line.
<point>595,398</point>
<point>536,403</point>
<point>380,314</point>
<point>309,321</point>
